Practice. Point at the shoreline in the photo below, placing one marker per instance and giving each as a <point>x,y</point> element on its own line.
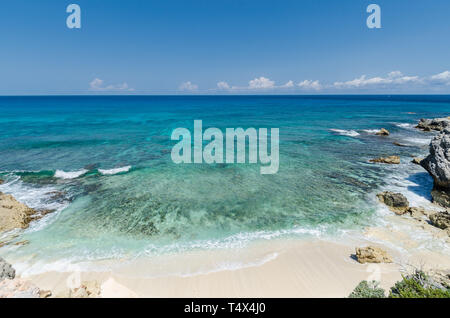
<point>281,267</point>
<point>300,269</point>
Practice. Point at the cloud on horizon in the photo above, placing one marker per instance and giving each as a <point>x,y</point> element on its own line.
<point>393,78</point>
<point>441,78</point>
<point>391,81</point>
<point>99,85</point>
<point>188,86</point>
<point>264,83</point>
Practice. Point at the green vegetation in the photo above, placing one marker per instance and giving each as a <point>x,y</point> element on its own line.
<point>367,290</point>
<point>418,285</point>
<point>415,285</point>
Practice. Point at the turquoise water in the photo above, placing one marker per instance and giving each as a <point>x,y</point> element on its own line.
<point>58,152</point>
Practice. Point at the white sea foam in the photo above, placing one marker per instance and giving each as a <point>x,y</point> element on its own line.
<point>70,175</point>
<point>371,131</point>
<point>231,266</point>
<point>350,133</point>
<point>114,171</point>
<point>415,184</point>
<point>38,198</point>
<point>418,141</point>
<point>404,125</point>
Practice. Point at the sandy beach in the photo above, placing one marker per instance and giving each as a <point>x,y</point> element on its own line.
<point>293,269</point>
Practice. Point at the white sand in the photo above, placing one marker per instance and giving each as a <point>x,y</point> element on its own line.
<point>286,269</point>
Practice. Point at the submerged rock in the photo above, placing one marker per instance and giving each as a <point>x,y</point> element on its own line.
<point>372,254</point>
<point>14,214</point>
<point>6,270</point>
<point>389,160</point>
<point>441,220</point>
<point>438,124</point>
<point>382,132</point>
<point>396,202</point>
<point>396,143</point>
<point>1,181</point>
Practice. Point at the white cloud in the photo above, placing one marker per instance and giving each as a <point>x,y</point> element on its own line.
<point>223,85</point>
<point>99,85</point>
<point>308,85</point>
<point>441,78</point>
<point>393,78</point>
<point>289,84</point>
<point>188,86</point>
<point>261,83</point>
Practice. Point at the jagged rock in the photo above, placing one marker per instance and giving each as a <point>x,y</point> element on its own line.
<point>437,163</point>
<point>417,161</point>
<point>417,213</point>
<point>88,289</point>
<point>382,132</point>
<point>6,270</point>
<point>79,293</point>
<point>396,202</point>
<point>438,124</point>
<point>441,197</point>
<point>18,288</point>
<point>13,214</point>
<point>372,254</point>
<point>388,160</point>
<point>45,293</point>
<point>92,287</point>
<point>441,220</point>
<point>442,277</point>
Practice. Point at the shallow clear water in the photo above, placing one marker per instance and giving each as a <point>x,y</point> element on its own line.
<point>323,187</point>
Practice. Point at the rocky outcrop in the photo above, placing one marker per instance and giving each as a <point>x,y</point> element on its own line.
<point>437,163</point>
<point>6,270</point>
<point>438,124</point>
<point>442,277</point>
<point>441,196</point>
<point>417,213</point>
<point>18,288</point>
<point>389,160</point>
<point>87,289</point>
<point>396,202</point>
<point>14,214</point>
<point>382,132</point>
<point>417,161</point>
<point>372,254</point>
<point>441,220</point>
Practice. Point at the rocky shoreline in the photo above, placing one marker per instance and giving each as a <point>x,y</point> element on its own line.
<point>16,215</point>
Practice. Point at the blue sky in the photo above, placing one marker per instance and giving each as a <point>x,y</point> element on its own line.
<point>224,47</point>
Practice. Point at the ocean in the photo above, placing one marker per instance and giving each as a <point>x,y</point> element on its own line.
<point>103,164</point>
